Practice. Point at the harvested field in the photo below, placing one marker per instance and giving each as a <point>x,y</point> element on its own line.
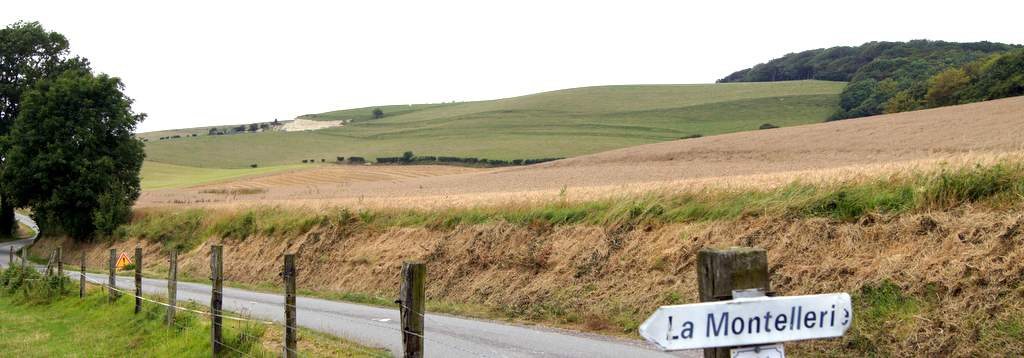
<point>826,151</point>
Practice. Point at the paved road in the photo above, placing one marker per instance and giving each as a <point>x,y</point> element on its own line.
<point>446,336</point>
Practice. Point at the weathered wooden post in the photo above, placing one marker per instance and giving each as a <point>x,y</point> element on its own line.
<point>60,268</point>
<point>81,277</point>
<point>216,269</point>
<point>10,260</point>
<point>138,279</point>
<point>113,272</point>
<point>172,287</point>
<point>290,337</point>
<point>721,271</point>
<point>413,307</point>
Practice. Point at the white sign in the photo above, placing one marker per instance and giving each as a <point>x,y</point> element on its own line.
<point>769,351</point>
<point>749,321</point>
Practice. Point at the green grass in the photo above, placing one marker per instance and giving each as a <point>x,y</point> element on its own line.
<point>66,326</point>
<point>546,125</point>
<point>161,176</point>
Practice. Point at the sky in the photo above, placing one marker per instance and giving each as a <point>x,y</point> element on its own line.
<point>201,63</point>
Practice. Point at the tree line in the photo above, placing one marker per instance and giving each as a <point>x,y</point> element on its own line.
<point>884,77</point>
<point>409,157</point>
<point>68,149</point>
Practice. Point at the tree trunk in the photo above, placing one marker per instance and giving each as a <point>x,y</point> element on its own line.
<point>6,216</point>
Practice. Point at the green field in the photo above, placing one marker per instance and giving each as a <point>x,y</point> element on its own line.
<point>551,124</point>
<point>160,176</point>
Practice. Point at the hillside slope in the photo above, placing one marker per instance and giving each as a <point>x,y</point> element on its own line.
<point>861,146</point>
<point>551,124</point>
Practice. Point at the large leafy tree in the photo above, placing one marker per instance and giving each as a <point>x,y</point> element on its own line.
<point>28,53</point>
<point>72,156</point>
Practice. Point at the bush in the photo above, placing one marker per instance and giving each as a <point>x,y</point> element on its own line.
<point>378,113</point>
<point>253,165</point>
<point>341,159</point>
<point>357,160</point>
<point>768,126</point>
<point>407,156</point>
<point>322,160</point>
<point>691,136</point>
<point>305,161</point>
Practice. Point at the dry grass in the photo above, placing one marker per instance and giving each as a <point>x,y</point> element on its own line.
<point>822,152</point>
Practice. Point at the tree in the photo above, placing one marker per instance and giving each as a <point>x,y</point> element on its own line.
<point>407,156</point>
<point>943,88</point>
<point>254,127</point>
<point>28,53</point>
<point>72,156</point>
<point>378,113</point>
<point>213,131</point>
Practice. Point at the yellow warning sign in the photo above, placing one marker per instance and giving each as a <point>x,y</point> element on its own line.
<point>123,261</point>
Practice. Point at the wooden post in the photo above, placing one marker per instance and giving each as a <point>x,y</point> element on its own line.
<point>24,257</point>
<point>172,287</point>
<point>81,278</point>
<point>138,280</point>
<point>10,260</point>
<point>60,268</point>
<point>721,271</point>
<point>216,269</point>
<point>413,306</point>
<point>113,272</point>
<point>290,337</point>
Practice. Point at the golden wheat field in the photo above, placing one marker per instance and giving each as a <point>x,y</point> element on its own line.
<point>865,147</point>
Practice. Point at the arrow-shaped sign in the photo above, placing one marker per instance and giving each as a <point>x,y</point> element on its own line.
<point>749,321</point>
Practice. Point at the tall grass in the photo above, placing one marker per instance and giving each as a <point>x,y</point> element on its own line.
<point>996,185</point>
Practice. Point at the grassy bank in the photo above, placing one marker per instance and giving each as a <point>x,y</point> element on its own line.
<point>992,185</point>
<point>40,320</point>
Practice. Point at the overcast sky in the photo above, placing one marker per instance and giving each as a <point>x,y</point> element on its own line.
<point>191,64</point>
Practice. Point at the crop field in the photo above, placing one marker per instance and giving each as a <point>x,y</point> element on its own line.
<point>821,152</point>
<point>159,175</point>
<point>552,124</point>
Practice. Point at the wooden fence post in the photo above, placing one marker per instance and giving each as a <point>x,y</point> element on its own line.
<point>60,268</point>
<point>113,273</point>
<point>138,279</point>
<point>81,278</point>
<point>172,287</point>
<point>10,260</point>
<point>721,271</point>
<point>290,337</point>
<point>24,257</point>
<point>216,269</point>
<point>413,307</point>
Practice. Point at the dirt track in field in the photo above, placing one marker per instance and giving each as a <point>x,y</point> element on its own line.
<point>865,146</point>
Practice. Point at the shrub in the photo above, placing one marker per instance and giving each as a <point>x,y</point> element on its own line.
<point>691,136</point>
<point>305,161</point>
<point>378,113</point>
<point>407,156</point>
<point>517,162</point>
<point>768,126</point>
<point>253,165</point>
<point>341,159</point>
<point>322,160</point>
<point>356,160</point>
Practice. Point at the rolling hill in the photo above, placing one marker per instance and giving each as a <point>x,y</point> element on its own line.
<point>551,124</point>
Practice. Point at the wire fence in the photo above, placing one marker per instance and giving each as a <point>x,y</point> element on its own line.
<point>245,335</point>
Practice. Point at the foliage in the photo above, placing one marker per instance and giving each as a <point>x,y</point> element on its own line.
<point>378,113</point>
<point>28,53</point>
<point>72,156</point>
<point>768,126</point>
<point>884,76</point>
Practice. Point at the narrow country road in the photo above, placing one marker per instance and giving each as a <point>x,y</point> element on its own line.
<point>445,336</point>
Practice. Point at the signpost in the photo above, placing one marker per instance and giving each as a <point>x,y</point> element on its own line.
<point>735,319</point>
<point>749,321</point>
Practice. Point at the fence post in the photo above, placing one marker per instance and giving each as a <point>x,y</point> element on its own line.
<point>138,279</point>
<point>721,271</point>
<point>10,260</point>
<point>172,287</point>
<point>290,337</point>
<point>216,269</point>
<point>81,278</point>
<point>60,268</point>
<point>113,272</point>
<point>411,299</point>
<point>24,257</point>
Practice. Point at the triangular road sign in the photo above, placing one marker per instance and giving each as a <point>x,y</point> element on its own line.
<point>123,261</point>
